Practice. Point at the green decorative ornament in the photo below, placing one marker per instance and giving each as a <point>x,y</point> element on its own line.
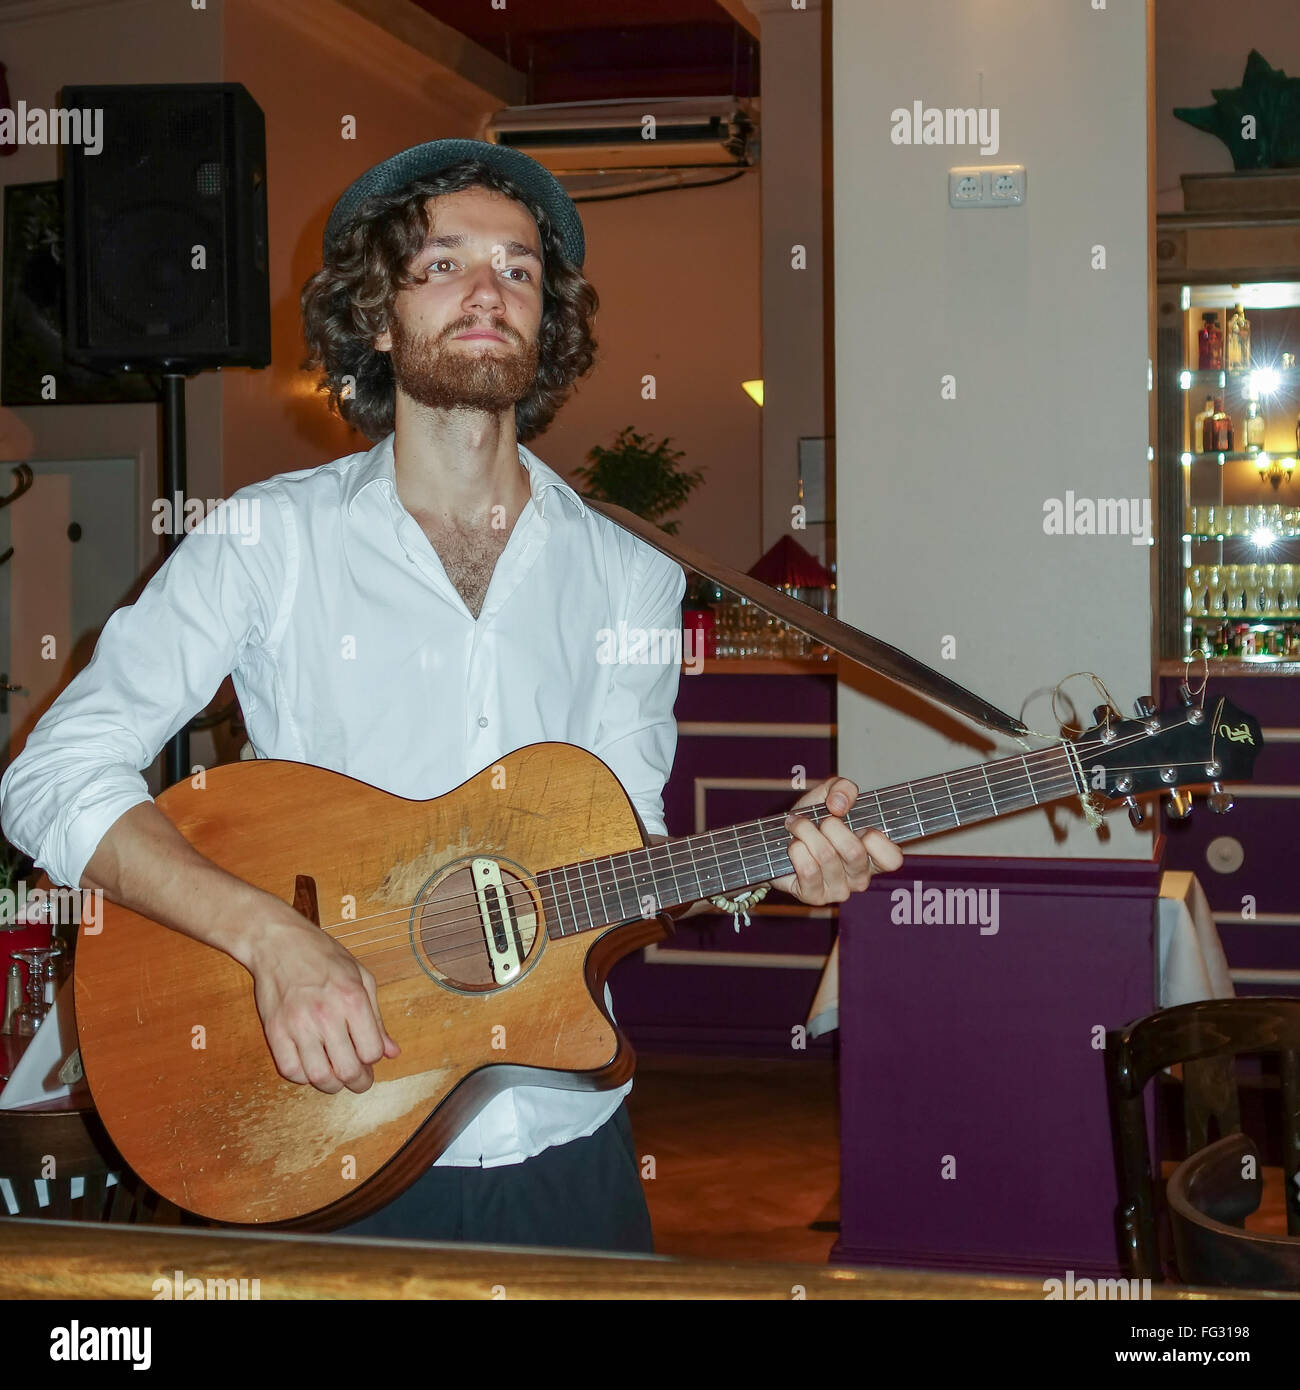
<point>1258,121</point>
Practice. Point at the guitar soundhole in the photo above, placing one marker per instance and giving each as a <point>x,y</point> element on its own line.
<point>451,925</point>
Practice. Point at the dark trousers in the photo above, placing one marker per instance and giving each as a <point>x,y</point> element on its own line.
<point>584,1195</point>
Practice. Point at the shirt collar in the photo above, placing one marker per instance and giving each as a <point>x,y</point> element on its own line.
<point>377,466</point>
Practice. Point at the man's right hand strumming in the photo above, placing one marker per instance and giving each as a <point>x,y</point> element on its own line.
<point>318,1007</point>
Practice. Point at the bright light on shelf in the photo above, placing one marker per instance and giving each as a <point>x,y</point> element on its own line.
<point>1185,459</point>
<point>1186,299</point>
<point>1185,380</point>
<point>1265,381</point>
<point>1262,538</point>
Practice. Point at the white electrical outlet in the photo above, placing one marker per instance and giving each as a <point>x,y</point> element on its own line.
<point>987,186</point>
<point>967,187</point>
<point>1007,185</point>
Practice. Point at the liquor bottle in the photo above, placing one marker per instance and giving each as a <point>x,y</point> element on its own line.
<point>1209,344</point>
<point>1254,424</point>
<point>1238,341</point>
<point>1202,438</point>
<point>1222,428</point>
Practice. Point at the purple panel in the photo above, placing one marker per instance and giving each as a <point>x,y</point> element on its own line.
<point>1272,699</point>
<point>1252,946</point>
<point>715,1009</point>
<point>801,699</point>
<point>1269,830</point>
<point>743,1009</point>
<point>980,1046</point>
<point>720,756</point>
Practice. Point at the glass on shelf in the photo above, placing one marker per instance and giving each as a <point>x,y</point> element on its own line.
<point>1194,595</point>
<point>1217,592</point>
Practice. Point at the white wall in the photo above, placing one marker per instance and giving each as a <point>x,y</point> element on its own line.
<point>941,501</point>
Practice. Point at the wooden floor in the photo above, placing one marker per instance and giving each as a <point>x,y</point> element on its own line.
<point>746,1158</point>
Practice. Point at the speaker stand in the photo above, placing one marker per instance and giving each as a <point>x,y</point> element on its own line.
<point>176,753</point>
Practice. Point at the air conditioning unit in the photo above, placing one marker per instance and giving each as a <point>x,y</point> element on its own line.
<point>592,139</point>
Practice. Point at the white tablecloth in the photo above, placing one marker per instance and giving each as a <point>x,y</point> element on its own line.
<point>1189,962</point>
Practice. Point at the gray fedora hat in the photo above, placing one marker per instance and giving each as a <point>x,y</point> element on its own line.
<point>435,156</point>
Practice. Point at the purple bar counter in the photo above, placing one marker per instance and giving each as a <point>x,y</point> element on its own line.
<point>974,1130</point>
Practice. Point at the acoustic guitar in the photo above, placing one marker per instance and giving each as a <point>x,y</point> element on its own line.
<point>490,918</point>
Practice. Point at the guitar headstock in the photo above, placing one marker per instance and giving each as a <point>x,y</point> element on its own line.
<point>1170,750</point>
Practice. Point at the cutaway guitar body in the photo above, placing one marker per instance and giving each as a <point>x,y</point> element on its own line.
<point>439,899</point>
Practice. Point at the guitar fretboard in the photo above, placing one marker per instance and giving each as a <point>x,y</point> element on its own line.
<point>640,883</point>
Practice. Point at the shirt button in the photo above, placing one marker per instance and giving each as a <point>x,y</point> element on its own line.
<point>482,721</point>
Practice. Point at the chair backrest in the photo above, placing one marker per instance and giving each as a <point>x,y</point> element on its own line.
<point>1210,1194</point>
<point>1205,1037</point>
<point>54,1147</point>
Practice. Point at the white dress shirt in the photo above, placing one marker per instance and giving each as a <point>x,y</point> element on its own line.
<point>350,649</point>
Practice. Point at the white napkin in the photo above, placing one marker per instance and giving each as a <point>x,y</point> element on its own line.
<point>36,1077</point>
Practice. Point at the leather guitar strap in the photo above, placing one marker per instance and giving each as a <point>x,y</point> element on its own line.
<point>841,637</point>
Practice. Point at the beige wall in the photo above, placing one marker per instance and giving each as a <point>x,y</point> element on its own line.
<point>46,46</point>
<point>941,501</point>
<point>1202,44</point>
<point>678,278</point>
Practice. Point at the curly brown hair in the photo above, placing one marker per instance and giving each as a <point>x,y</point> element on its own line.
<point>346,304</point>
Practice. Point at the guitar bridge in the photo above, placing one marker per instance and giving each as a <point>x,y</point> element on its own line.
<point>503,931</point>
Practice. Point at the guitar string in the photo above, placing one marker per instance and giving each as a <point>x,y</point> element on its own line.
<point>755,842</point>
<point>762,838</point>
<point>733,855</point>
<point>471,939</point>
<point>472,922</point>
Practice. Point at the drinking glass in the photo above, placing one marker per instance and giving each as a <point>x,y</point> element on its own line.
<point>32,1014</point>
<point>1218,599</point>
<point>1194,595</point>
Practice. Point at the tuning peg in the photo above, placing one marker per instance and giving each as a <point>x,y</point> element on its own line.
<point>1134,810</point>
<point>1104,712</point>
<point>1145,707</point>
<point>1220,802</point>
<point>1185,694</point>
<point>1180,804</point>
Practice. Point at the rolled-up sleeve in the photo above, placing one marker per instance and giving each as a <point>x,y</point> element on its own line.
<point>637,738</point>
<point>157,662</point>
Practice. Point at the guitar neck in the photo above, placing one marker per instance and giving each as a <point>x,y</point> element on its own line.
<point>640,883</point>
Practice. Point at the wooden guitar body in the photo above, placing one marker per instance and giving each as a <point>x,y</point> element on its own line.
<point>172,1043</point>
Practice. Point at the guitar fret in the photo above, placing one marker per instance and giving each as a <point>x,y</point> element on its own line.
<point>667,851</point>
<point>1029,775</point>
<point>951,802</point>
<point>573,907</point>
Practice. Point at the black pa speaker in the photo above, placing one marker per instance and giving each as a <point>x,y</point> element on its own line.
<point>165,230</point>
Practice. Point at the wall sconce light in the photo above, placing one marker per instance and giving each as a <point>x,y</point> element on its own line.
<point>754,389</point>
<point>1273,470</point>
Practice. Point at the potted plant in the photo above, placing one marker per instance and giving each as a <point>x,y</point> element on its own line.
<point>643,479</point>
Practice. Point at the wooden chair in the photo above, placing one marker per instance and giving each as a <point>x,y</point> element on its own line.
<point>70,1142</point>
<point>1209,1197</point>
<point>1206,1037</point>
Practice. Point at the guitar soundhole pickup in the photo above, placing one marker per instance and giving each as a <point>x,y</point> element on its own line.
<point>476,924</point>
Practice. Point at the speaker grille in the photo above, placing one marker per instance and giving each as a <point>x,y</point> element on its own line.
<point>168,225</point>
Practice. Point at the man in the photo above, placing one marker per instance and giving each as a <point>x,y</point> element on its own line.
<point>406,616</point>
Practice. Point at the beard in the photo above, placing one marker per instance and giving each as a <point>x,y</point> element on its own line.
<point>493,378</point>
